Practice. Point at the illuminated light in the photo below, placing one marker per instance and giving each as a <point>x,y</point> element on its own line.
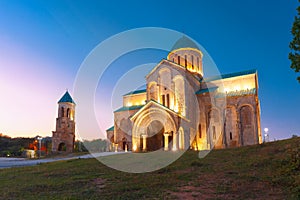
<point>226,90</point>
<point>246,87</point>
<point>143,102</point>
<point>237,88</point>
<point>266,130</point>
<point>134,148</point>
<point>129,104</point>
<point>174,149</point>
<point>176,109</point>
<point>126,148</point>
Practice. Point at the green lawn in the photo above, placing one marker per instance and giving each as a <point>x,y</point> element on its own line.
<point>268,171</point>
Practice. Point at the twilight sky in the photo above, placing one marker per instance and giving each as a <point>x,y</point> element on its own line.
<point>43,43</point>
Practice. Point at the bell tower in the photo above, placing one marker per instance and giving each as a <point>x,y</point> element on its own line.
<point>63,137</point>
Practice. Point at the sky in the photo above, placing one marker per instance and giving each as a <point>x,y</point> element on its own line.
<point>44,43</point>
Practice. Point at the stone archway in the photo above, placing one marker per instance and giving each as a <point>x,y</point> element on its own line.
<point>142,129</point>
<point>62,147</point>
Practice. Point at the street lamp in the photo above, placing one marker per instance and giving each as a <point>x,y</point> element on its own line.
<point>266,136</point>
<point>39,138</point>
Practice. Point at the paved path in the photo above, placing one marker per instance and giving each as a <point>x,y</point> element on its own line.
<point>20,162</point>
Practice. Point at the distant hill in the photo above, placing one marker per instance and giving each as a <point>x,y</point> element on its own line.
<point>267,171</point>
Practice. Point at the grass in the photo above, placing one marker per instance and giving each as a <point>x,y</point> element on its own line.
<point>267,171</point>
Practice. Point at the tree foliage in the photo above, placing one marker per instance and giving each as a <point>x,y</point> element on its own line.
<point>13,146</point>
<point>294,55</point>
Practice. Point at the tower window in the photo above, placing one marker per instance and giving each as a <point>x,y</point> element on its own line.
<point>62,111</point>
<point>198,63</point>
<point>230,136</point>
<point>185,60</point>
<point>178,60</point>
<point>192,62</point>
<point>68,112</point>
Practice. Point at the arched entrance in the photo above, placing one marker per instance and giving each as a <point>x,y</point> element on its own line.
<point>62,147</point>
<point>151,128</point>
<point>155,132</point>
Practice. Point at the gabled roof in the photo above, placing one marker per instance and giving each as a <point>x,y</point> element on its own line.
<point>124,108</point>
<point>135,92</point>
<point>111,128</point>
<point>231,75</point>
<point>66,98</point>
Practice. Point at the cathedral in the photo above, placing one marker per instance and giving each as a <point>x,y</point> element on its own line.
<point>181,108</point>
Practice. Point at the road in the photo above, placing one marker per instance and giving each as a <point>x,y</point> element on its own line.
<point>20,162</point>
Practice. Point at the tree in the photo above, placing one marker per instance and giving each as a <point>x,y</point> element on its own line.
<point>294,55</point>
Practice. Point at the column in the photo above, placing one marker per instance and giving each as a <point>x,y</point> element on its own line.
<point>174,142</point>
<point>116,147</point>
<point>166,135</point>
<point>144,142</point>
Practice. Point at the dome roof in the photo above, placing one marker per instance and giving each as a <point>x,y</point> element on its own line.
<point>184,42</point>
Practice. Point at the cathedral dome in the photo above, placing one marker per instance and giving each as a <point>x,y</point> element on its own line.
<point>184,42</point>
<point>187,54</point>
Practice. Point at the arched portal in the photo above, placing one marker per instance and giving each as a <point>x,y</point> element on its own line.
<point>155,132</point>
<point>151,127</point>
<point>247,125</point>
<point>62,147</point>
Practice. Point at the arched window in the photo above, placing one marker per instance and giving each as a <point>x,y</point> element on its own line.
<point>198,64</point>
<point>192,62</point>
<point>185,60</point>
<point>230,135</point>
<point>62,111</point>
<point>168,101</point>
<point>68,112</point>
<point>178,60</point>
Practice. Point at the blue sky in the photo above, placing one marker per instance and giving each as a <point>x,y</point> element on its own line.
<point>43,43</point>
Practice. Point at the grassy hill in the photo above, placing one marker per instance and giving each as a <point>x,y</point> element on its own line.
<point>267,171</point>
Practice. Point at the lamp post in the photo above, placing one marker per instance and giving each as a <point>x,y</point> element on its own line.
<point>39,138</point>
<point>266,136</point>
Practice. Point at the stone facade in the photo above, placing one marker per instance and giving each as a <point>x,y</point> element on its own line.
<point>63,137</point>
<point>181,109</point>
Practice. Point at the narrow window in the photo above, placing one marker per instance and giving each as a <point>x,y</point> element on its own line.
<point>214,132</point>
<point>200,131</point>
<point>173,59</point>
<point>230,136</point>
<point>185,61</point>
<point>192,62</point>
<point>168,100</point>
<point>198,64</point>
<point>68,112</point>
<point>178,60</point>
<point>163,99</point>
<point>62,111</point>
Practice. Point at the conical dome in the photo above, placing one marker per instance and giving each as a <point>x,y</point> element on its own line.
<point>66,98</point>
<point>184,42</point>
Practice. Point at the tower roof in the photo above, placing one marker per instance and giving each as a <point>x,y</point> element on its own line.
<point>66,98</point>
<point>184,42</point>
